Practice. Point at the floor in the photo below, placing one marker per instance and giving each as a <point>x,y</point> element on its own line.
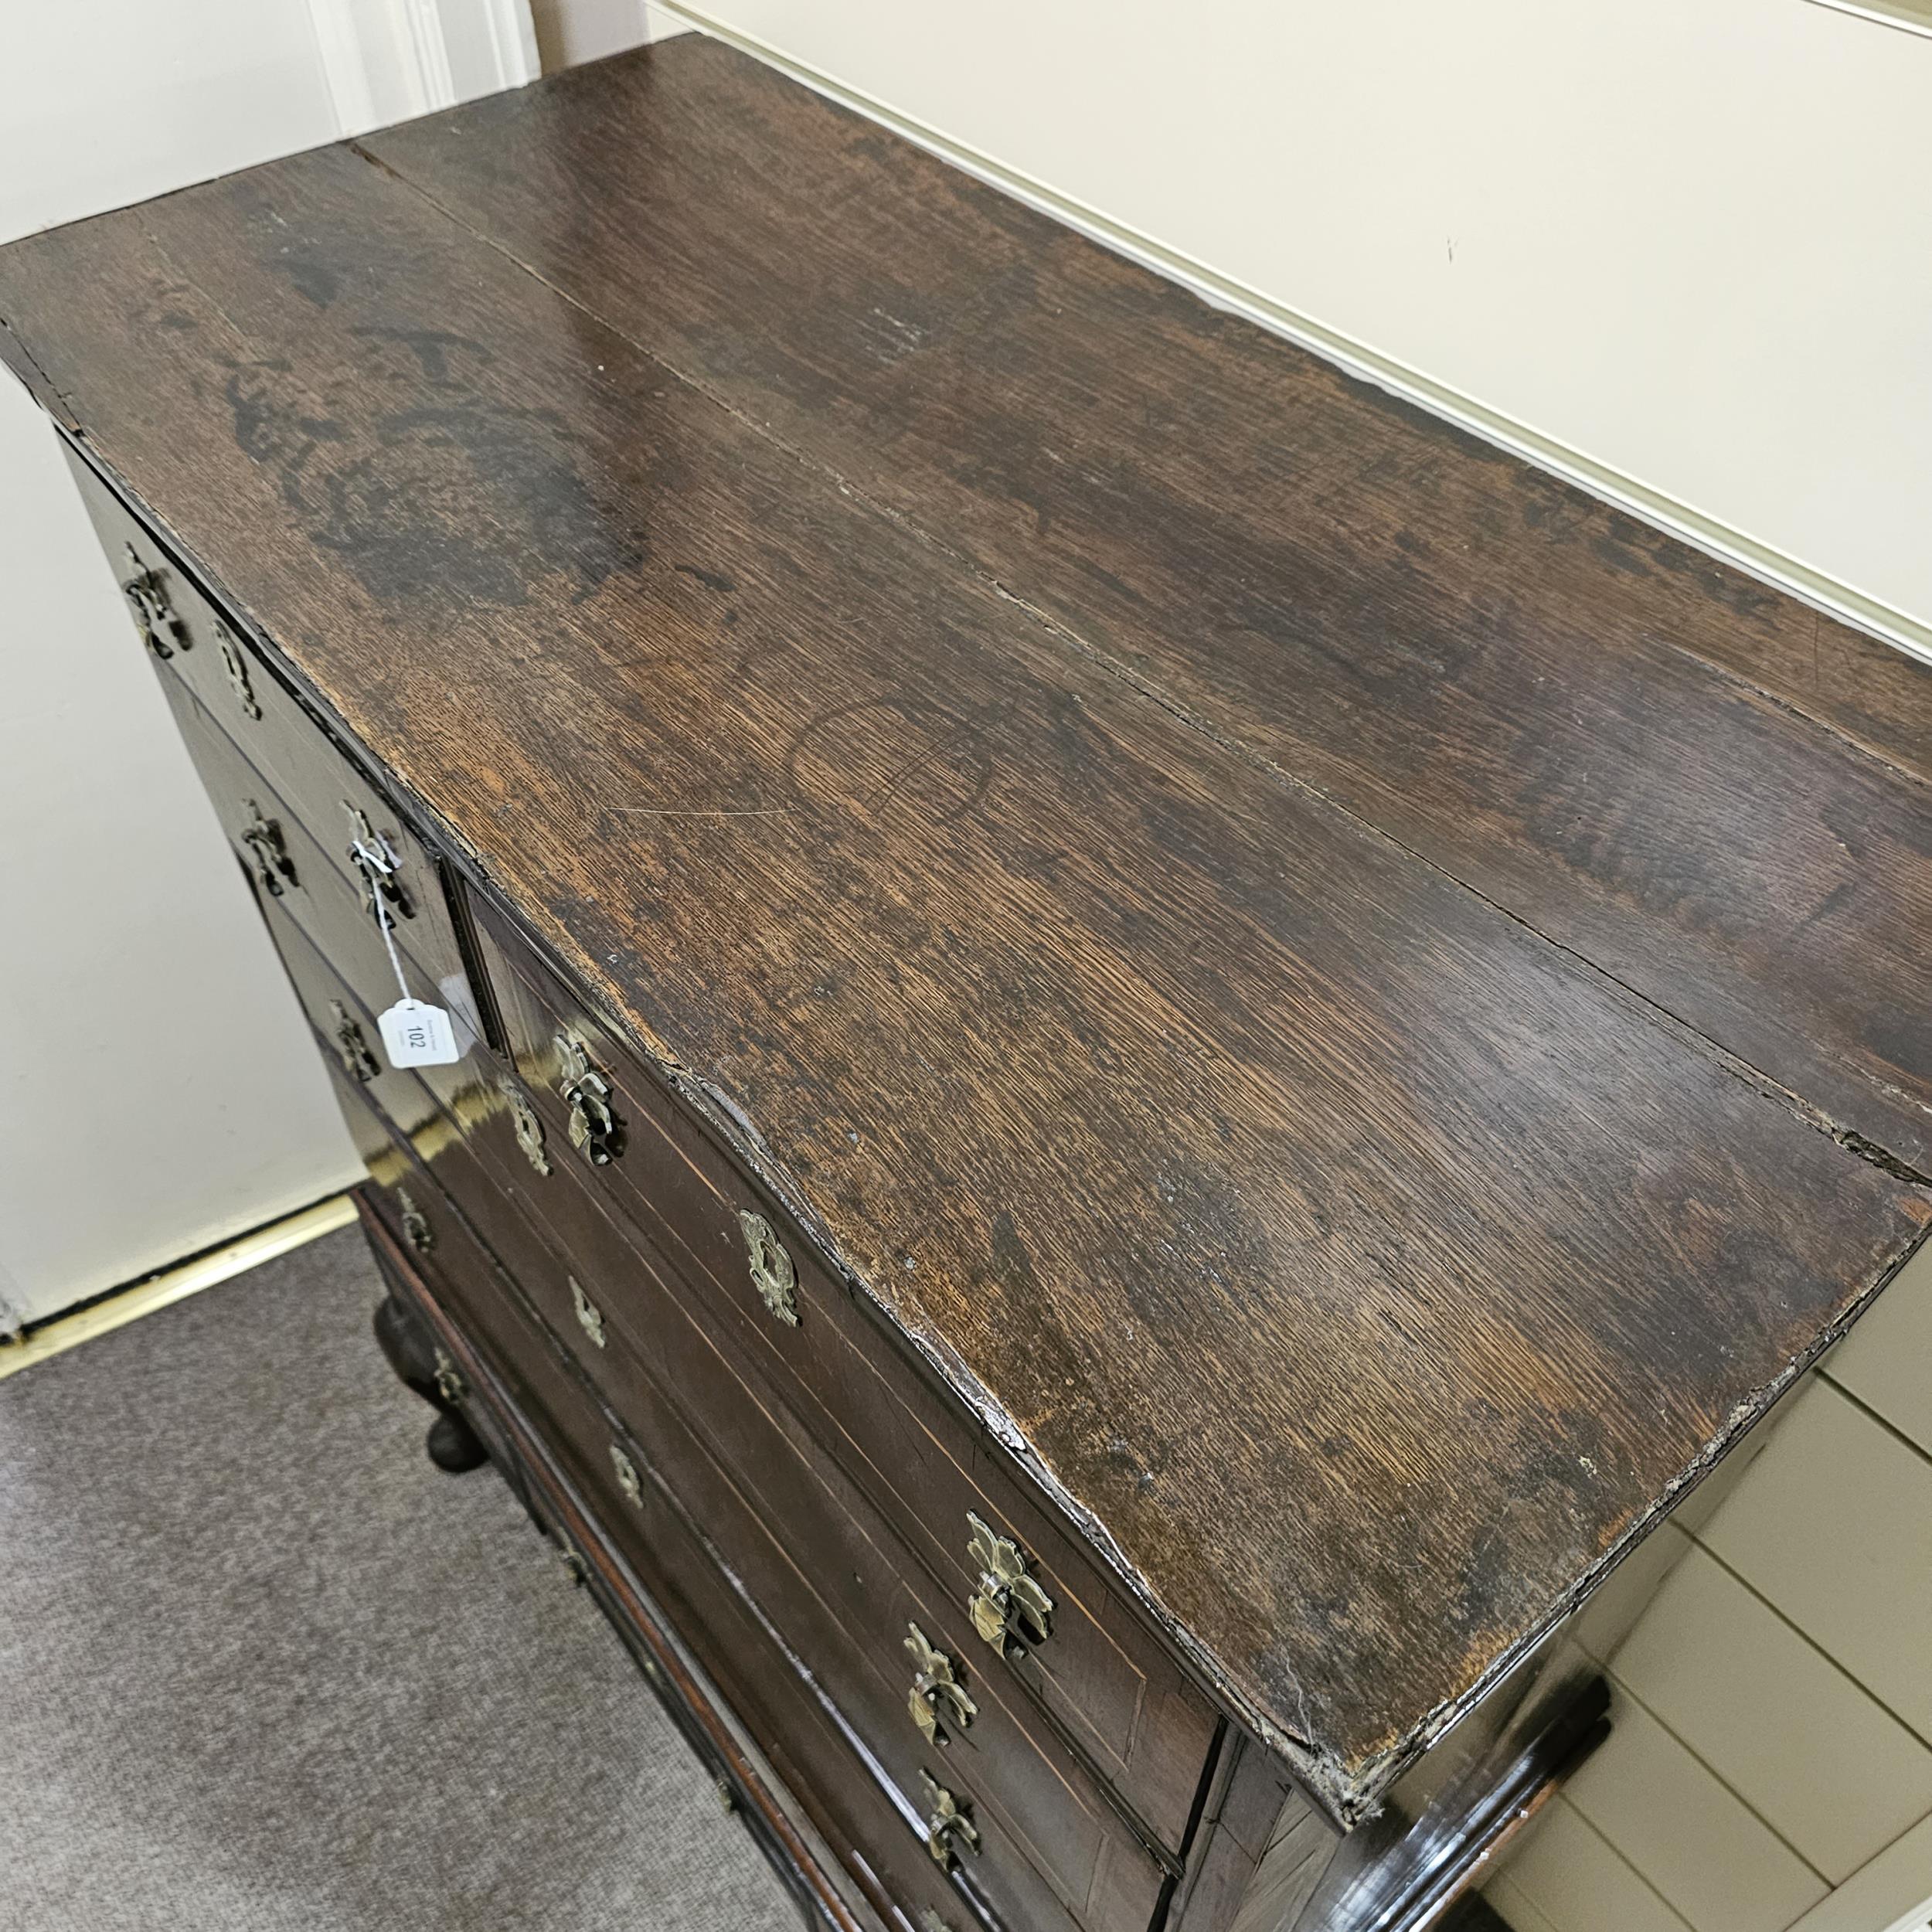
<point>261,1667</point>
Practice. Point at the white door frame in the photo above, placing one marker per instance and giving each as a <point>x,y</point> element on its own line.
<point>392,60</point>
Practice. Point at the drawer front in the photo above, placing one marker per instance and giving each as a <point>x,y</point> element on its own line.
<point>295,885</point>
<point>744,1774</point>
<point>806,1541</point>
<point>878,1826</point>
<point>1105,1681</point>
<point>336,803</point>
<point>789,1524</point>
<point>345,1032</point>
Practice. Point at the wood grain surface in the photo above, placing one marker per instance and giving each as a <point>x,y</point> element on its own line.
<point>1268,943</point>
<point>1515,680</point>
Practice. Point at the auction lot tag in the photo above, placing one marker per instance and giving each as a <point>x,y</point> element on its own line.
<point>415,1034</point>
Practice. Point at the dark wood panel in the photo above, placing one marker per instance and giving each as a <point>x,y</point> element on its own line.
<point>1361,1269</point>
<point>1251,1798</point>
<point>325,911</point>
<point>271,842</point>
<point>1507,675</point>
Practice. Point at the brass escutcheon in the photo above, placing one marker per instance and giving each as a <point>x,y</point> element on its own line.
<point>267,851</point>
<point>773,1274</point>
<point>384,898</point>
<point>589,1316</point>
<point>415,1228</point>
<point>628,1480</point>
<point>596,1132</point>
<point>237,667</point>
<point>450,1384</point>
<point>162,629</point>
<point>1009,1609</point>
<point>529,1128</point>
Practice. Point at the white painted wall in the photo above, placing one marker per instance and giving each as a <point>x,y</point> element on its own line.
<point>1688,241</point>
<point>158,1091</point>
<point>389,60</point>
<point>113,101</point>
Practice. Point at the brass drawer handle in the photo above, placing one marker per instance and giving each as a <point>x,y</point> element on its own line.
<point>773,1272</point>
<point>351,1048</point>
<point>161,629</point>
<point>237,667</point>
<point>596,1132</point>
<point>1010,1610</point>
<point>589,1316</point>
<point>385,897</point>
<point>529,1128</point>
<point>937,1698</point>
<point>628,1480</point>
<point>267,852</point>
<point>949,1829</point>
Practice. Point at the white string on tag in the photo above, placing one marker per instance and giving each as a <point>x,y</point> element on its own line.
<point>378,861</point>
<point>414,1032</point>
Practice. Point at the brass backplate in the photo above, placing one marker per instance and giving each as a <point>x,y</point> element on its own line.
<point>1009,1609</point>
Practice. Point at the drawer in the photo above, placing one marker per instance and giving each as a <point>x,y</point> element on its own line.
<point>745,1777</point>
<point>345,1031</point>
<point>336,803</point>
<point>1102,1677</point>
<point>862,1813</point>
<point>803,1537</point>
<point>296,886</point>
<point>805,1540</point>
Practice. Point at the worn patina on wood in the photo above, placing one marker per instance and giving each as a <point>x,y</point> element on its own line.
<point>1368,1011</point>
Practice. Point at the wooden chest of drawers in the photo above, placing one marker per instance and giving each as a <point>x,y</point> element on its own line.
<point>1091,1222</point>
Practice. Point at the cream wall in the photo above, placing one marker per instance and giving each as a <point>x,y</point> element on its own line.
<point>103,102</point>
<point>1686,245</point>
<point>158,1091</point>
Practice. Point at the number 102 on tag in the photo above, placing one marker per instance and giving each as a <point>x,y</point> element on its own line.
<point>415,1034</point>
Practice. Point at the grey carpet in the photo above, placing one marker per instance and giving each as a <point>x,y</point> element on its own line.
<point>261,1667</point>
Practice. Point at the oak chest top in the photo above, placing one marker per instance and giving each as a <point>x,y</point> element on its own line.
<point>1367,1011</point>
